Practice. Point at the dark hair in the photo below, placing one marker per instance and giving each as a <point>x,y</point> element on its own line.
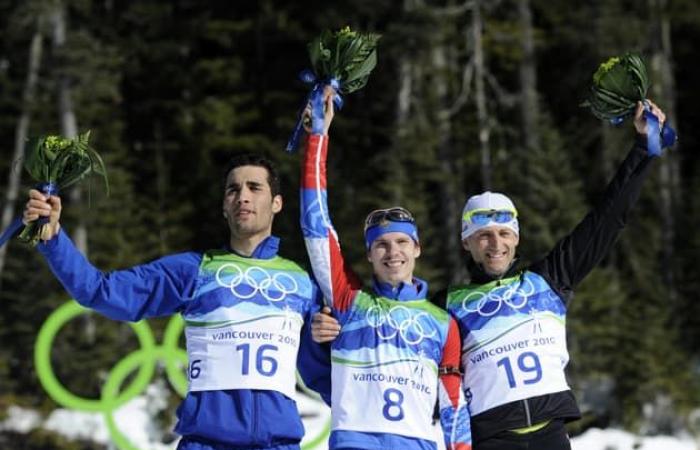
<point>254,159</point>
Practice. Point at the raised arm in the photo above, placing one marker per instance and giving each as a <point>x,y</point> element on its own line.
<point>156,289</point>
<point>336,280</point>
<point>577,254</point>
<point>454,414</point>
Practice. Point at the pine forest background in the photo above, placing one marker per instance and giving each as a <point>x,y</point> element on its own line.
<point>467,95</point>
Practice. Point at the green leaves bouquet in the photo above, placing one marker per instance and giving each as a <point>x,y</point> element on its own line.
<point>344,60</point>
<point>55,163</point>
<point>346,56</point>
<point>618,84</point>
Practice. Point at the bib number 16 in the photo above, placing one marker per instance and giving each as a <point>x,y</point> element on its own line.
<point>265,363</point>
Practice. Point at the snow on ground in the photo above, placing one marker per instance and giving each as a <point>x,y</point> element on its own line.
<point>134,420</point>
<point>612,439</point>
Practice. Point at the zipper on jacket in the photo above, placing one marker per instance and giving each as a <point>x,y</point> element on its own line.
<point>527,413</point>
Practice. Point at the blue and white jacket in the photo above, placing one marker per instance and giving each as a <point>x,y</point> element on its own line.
<point>245,321</point>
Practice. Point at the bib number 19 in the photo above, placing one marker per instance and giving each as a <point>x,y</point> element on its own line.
<point>528,363</point>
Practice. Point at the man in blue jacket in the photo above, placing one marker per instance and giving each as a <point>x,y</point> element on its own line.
<point>246,311</point>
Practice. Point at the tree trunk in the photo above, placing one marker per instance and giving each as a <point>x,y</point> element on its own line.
<point>480,96</point>
<point>529,110</point>
<point>403,107</point>
<point>448,190</point>
<point>664,93</point>
<point>162,183</point>
<point>69,129</point>
<point>15,175</point>
<point>68,121</point>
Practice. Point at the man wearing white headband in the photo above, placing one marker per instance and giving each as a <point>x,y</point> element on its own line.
<point>490,231</point>
<point>512,318</point>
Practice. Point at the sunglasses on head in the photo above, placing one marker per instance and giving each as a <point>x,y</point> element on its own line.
<point>484,216</point>
<point>395,214</point>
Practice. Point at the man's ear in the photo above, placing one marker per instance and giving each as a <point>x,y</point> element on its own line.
<point>465,245</point>
<point>416,250</point>
<point>277,204</point>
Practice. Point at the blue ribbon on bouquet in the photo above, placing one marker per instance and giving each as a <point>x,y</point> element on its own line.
<point>16,225</point>
<point>315,98</point>
<point>657,140</point>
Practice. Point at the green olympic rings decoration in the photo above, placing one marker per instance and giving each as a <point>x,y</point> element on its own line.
<point>144,360</point>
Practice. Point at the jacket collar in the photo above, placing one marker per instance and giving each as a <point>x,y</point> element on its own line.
<point>417,290</point>
<point>479,276</point>
<point>266,249</point>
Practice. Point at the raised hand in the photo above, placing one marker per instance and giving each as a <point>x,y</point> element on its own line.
<point>328,111</point>
<point>640,122</point>
<point>39,205</point>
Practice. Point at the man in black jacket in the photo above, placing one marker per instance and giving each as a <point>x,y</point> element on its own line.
<point>512,318</point>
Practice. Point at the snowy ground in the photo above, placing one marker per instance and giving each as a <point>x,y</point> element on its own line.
<point>134,420</point>
<point>611,439</point>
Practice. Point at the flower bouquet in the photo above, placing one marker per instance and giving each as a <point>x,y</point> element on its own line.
<point>344,60</point>
<point>55,162</point>
<point>618,84</point>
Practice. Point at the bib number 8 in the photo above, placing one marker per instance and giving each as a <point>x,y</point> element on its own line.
<point>393,399</point>
<point>528,363</point>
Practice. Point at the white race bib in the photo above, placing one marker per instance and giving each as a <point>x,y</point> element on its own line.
<point>250,354</point>
<point>522,359</point>
<point>396,398</point>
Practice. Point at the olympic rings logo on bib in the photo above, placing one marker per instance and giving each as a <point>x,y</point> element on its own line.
<point>245,284</point>
<point>409,328</point>
<point>487,304</point>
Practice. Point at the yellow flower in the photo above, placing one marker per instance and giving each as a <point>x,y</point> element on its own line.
<point>605,68</point>
<point>346,32</point>
<point>56,143</point>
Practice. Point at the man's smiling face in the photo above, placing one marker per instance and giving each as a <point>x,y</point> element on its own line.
<point>393,257</point>
<point>493,248</point>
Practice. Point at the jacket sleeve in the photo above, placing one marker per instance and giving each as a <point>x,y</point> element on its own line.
<point>314,359</point>
<point>337,281</point>
<point>159,288</point>
<point>454,413</point>
<point>577,254</point>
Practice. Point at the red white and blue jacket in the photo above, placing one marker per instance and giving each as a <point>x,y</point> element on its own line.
<point>386,361</point>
